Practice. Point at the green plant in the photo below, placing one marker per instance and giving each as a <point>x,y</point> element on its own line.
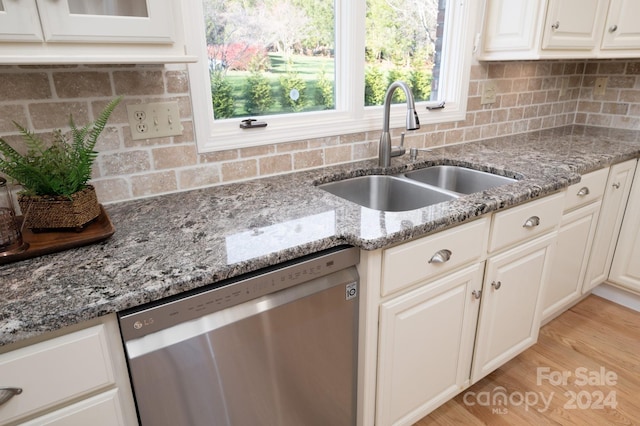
<point>222,96</point>
<point>324,91</point>
<point>62,168</point>
<point>293,89</point>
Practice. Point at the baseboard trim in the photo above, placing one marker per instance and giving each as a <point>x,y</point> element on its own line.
<point>618,295</point>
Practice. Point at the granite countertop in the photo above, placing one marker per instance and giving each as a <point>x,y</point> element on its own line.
<point>173,243</point>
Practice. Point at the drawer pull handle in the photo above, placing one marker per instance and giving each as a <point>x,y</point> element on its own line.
<point>532,222</point>
<point>476,294</point>
<point>7,393</point>
<point>583,191</point>
<point>616,185</point>
<point>555,25</point>
<point>441,256</point>
<point>613,28</point>
<point>496,285</point>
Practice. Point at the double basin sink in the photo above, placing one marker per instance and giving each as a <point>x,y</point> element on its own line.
<point>415,189</point>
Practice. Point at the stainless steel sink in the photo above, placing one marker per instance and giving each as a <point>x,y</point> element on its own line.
<point>387,193</point>
<point>458,179</point>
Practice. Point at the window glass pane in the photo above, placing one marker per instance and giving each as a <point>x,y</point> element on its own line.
<point>403,42</point>
<point>109,7</point>
<point>270,56</point>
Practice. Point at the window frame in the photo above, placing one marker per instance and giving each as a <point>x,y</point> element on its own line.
<point>350,115</point>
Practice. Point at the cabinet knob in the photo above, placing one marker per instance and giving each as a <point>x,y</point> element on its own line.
<point>616,185</point>
<point>441,256</point>
<point>476,294</point>
<point>556,25</point>
<point>496,285</point>
<point>583,191</point>
<point>613,28</point>
<point>532,222</point>
<point>7,393</point>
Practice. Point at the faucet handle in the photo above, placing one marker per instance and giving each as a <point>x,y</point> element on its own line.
<point>399,150</point>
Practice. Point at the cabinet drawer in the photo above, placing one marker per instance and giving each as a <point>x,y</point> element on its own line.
<point>100,410</point>
<point>589,189</point>
<point>427,257</point>
<point>55,371</point>
<point>525,222</point>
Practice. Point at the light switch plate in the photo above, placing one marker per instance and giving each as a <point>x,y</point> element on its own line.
<point>488,93</point>
<point>600,86</point>
<point>154,120</point>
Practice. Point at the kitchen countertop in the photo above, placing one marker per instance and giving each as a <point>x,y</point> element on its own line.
<point>173,243</point>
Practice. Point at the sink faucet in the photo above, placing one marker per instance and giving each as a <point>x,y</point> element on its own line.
<point>385,150</point>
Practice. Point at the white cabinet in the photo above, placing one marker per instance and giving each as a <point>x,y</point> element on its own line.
<point>575,238</point>
<point>510,313</point>
<point>427,334</point>
<point>622,28</point>
<point>94,21</point>
<point>98,31</point>
<point>611,213</point>
<point>424,258</point>
<point>511,304</point>
<point>19,21</point>
<point>574,24</point>
<point>69,379</point>
<point>511,29</point>
<point>426,341</point>
<point>625,270</point>
<point>536,29</point>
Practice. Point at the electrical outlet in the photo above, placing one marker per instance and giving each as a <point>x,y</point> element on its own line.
<point>488,93</point>
<point>600,86</point>
<point>154,120</point>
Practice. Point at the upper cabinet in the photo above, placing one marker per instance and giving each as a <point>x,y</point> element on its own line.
<point>537,29</point>
<point>19,21</point>
<point>573,24</point>
<point>622,28</point>
<point>91,31</point>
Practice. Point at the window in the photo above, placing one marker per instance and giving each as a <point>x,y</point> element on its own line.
<point>321,70</point>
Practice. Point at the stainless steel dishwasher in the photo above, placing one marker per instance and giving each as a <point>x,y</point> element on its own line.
<point>278,347</point>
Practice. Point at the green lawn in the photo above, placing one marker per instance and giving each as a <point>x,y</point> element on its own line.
<point>307,67</point>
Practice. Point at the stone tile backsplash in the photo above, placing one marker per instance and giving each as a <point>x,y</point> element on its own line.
<point>531,95</point>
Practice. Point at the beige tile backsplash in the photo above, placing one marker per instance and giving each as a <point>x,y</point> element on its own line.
<point>531,95</point>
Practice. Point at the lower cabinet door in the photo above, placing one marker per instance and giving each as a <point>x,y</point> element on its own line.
<point>426,344</point>
<point>511,308</point>
<point>625,270</point>
<point>569,265</point>
<point>609,223</point>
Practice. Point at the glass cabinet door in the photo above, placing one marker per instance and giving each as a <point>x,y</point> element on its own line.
<point>105,21</point>
<point>19,21</point>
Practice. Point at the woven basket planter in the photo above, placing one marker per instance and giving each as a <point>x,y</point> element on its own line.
<point>59,212</point>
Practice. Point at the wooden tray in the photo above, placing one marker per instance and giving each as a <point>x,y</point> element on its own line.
<point>50,242</point>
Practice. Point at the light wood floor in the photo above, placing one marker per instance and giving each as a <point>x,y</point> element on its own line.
<point>600,338</point>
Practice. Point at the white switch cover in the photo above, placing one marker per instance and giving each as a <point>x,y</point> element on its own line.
<point>600,87</point>
<point>488,93</point>
<point>154,120</point>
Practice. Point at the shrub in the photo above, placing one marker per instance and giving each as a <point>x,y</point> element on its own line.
<point>222,96</point>
<point>257,94</point>
<point>324,91</point>
<point>291,84</point>
<point>421,83</point>
<point>374,86</point>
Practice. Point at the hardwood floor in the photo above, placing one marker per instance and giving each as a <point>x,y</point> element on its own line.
<point>584,370</point>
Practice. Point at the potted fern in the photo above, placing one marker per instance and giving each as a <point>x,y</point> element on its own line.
<point>54,176</point>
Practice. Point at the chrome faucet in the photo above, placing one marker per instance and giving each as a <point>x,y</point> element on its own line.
<point>385,150</point>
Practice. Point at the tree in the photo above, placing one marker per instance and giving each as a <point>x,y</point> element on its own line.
<point>222,96</point>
